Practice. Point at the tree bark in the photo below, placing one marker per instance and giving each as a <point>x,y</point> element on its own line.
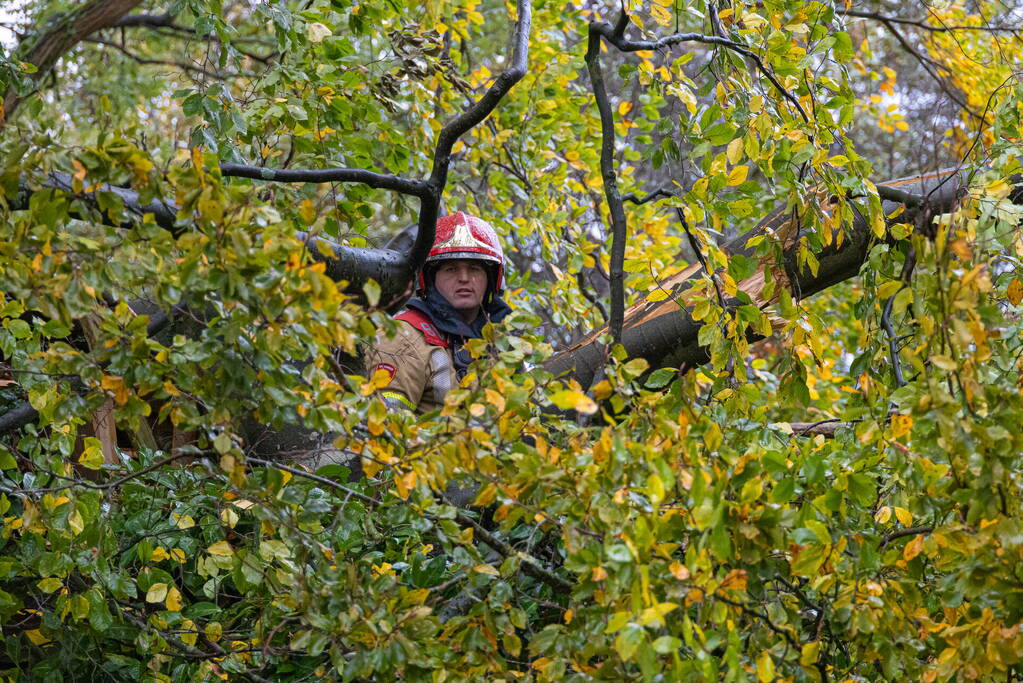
<point>61,33</point>
<point>665,333</point>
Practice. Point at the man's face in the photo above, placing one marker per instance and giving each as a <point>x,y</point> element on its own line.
<point>463,282</point>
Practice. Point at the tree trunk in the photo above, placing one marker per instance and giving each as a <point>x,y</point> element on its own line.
<point>664,332</point>
<point>62,32</point>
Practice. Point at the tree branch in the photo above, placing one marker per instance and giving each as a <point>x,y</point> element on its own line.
<point>625,45</point>
<point>903,533</point>
<point>23,413</point>
<point>619,228</point>
<point>529,566</point>
<point>921,24</point>
<point>639,201</point>
<point>61,33</point>
<point>184,66</point>
<point>379,181</point>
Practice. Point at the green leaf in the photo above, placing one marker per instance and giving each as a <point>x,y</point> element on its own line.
<point>660,378</point>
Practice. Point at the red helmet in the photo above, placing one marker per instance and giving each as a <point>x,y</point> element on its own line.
<point>463,236</point>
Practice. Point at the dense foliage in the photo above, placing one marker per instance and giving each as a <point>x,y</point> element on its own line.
<point>839,501</point>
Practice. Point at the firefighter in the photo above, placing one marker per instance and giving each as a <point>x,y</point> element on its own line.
<point>458,292</point>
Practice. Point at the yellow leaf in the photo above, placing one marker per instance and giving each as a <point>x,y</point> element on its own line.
<point>404,483</point>
<point>173,599</point>
<point>570,399</point>
<point>486,569</point>
<point>92,454</point>
<point>904,516</point>
<point>734,151</point>
<point>656,613</point>
<point>156,593</point>
<point>679,570</point>
<point>901,425</point>
<point>159,554</point>
<point>765,667</point>
<point>602,390</point>
<point>737,175</point>
<point>75,522</point>
<point>182,521</point>
<point>79,169</point>
<point>810,652</point>
<point>735,580</point>
<point>913,548</point>
<point>222,548</point>
<point>598,574</point>
<point>624,108</point>
<point>568,616</point>
<point>37,637</point>
<point>307,211</point>
<point>659,294</point>
<point>115,385</point>
<point>1015,291</point>
<point>883,515</point>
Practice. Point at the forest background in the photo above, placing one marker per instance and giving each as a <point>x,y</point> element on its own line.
<point>683,465</point>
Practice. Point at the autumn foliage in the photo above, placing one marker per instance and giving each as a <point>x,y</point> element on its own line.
<point>831,493</point>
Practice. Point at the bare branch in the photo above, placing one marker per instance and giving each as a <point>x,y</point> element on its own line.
<point>379,181</point>
<point>619,227</point>
<point>147,20</point>
<point>184,66</point>
<point>639,201</point>
<point>921,24</point>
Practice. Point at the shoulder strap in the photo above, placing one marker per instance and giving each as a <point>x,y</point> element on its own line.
<point>421,322</point>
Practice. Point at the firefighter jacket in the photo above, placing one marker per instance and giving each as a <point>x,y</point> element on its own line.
<point>425,358</point>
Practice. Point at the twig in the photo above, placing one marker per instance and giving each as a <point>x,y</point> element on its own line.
<point>886,323</point>
<point>763,617</point>
<point>695,246</point>
<point>529,566</point>
<point>81,483</point>
<point>593,299</point>
<point>825,428</point>
<point>617,39</point>
<point>184,66</point>
<point>919,23</point>
<point>903,533</point>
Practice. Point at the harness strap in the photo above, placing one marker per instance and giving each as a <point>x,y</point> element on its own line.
<point>421,322</point>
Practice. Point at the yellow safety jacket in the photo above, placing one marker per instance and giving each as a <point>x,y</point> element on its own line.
<point>419,360</point>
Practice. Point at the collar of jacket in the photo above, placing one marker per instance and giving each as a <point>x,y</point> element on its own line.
<point>446,319</point>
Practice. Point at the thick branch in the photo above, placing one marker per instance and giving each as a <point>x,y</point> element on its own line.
<point>464,122</point>
<point>665,333</point>
<point>619,228</point>
<point>61,33</point>
<point>379,181</point>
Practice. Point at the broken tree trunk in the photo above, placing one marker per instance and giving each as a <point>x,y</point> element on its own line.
<point>665,333</point>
